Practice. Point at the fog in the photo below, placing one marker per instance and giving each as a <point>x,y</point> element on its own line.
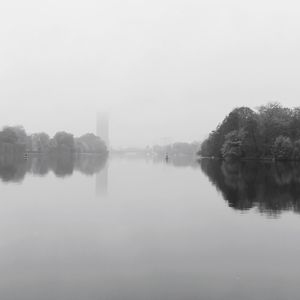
<point>164,70</point>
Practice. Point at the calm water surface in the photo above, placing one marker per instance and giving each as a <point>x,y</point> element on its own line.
<point>138,229</point>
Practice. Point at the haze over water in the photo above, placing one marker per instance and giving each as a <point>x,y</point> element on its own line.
<point>139,228</point>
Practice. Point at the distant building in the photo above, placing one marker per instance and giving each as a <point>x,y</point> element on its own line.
<point>103,127</point>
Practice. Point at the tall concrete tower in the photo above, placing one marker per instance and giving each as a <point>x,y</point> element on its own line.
<point>103,127</point>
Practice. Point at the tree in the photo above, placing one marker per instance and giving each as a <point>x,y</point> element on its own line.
<point>283,148</point>
<point>294,129</point>
<point>259,131</point>
<point>274,121</point>
<point>296,150</point>
<point>90,143</point>
<point>40,142</point>
<point>8,135</point>
<point>232,147</point>
<point>20,133</point>
<point>63,141</point>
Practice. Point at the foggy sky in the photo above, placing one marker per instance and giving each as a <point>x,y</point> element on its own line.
<point>164,69</point>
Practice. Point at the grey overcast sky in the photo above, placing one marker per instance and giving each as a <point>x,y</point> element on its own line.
<point>162,68</point>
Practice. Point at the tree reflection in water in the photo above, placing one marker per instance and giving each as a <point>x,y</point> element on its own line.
<point>13,168</point>
<point>271,187</point>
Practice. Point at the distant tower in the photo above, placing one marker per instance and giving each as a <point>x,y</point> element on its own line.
<point>103,127</point>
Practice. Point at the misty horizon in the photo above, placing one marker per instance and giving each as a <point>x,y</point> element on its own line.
<point>149,150</point>
<point>159,140</point>
<point>162,69</point>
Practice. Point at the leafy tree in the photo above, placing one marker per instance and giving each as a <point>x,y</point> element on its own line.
<point>90,143</point>
<point>274,121</point>
<point>63,141</point>
<point>296,150</point>
<point>20,133</point>
<point>8,135</point>
<point>283,148</point>
<point>232,147</point>
<point>40,142</point>
<point>294,130</point>
<point>252,134</point>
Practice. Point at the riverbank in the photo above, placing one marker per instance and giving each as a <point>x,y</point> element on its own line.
<point>270,159</point>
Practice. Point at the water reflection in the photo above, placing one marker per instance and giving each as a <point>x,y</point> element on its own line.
<point>173,160</point>
<point>271,187</point>
<point>14,168</point>
<point>178,160</point>
<point>102,182</point>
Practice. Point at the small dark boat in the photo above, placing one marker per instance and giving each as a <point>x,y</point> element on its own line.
<point>26,156</point>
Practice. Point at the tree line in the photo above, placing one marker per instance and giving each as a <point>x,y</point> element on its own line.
<point>269,132</point>
<point>15,139</point>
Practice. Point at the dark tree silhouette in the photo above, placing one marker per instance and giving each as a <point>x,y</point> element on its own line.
<point>273,131</point>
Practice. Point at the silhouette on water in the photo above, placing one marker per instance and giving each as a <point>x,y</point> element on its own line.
<point>270,187</point>
<point>167,157</point>
<point>13,168</point>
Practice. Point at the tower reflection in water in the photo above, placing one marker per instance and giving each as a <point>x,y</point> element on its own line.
<point>102,129</point>
<point>102,181</point>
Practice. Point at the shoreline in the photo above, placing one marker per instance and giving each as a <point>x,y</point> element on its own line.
<point>264,159</point>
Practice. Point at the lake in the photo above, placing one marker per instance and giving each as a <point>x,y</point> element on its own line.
<point>135,228</point>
